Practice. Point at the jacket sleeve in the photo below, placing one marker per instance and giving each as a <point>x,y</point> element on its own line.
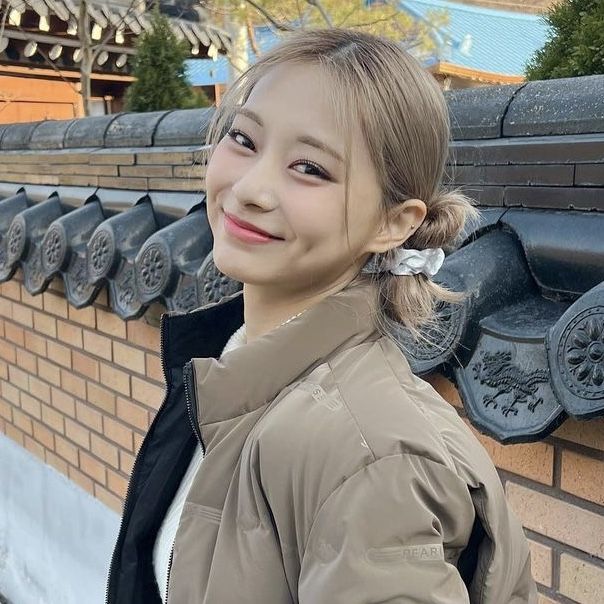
<point>385,534</point>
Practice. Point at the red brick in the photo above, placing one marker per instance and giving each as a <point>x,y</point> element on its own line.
<point>23,422</point>
<point>557,519</point>
<point>105,450</point>
<point>73,384</point>
<point>35,343</point>
<point>39,389</point>
<point>92,467</point>
<point>8,352</point>
<point>23,315</point>
<point>108,498</point>
<point>589,433</point>
<point>62,401</point>
<point>118,433</point>
<point>6,410</point>
<point>83,316</point>
<point>77,433</point>
<point>11,289</point>
<point>115,379</point>
<point>132,414</point>
<point>6,308</point>
<point>56,462</point>
<point>110,323</point>
<point>49,372</point>
<point>97,344</point>
<point>10,393</point>
<point>70,334</point>
<point>583,476</point>
<point>142,334</point>
<point>14,433</point>
<point>18,377</point>
<point>31,405</point>
<point>55,305</point>
<point>100,397</point>
<point>59,354</point>
<point>34,447</point>
<point>85,364</point>
<point>117,484</point>
<point>66,449</point>
<point>27,361</point>
<point>45,324</point>
<point>27,298</point>
<point>147,393</point>
<point>44,435</point>
<point>81,480</point>
<point>89,417</point>
<point>13,333</point>
<point>53,419</point>
<point>129,357</point>
<point>126,462</point>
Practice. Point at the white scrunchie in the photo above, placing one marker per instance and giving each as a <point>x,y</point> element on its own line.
<point>409,262</point>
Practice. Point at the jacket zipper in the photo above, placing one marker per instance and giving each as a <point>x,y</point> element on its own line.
<point>129,489</point>
<point>188,380</point>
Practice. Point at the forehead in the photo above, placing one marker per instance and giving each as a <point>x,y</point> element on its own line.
<point>300,98</point>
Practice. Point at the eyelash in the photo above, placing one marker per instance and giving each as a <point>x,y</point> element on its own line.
<point>322,173</point>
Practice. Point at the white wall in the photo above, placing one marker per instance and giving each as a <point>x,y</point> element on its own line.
<point>56,540</point>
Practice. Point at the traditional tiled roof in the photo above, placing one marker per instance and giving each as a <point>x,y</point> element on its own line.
<point>526,348</point>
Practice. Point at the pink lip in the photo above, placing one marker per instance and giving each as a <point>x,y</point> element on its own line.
<point>245,231</point>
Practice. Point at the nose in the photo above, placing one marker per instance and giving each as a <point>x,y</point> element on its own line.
<point>255,187</point>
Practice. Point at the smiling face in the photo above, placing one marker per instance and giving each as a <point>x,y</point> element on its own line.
<point>280,170</point>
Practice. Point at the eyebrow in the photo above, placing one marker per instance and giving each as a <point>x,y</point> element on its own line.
<point>304,139</point>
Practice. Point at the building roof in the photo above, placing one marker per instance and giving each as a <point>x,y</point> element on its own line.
<point>476,39</point>
<point>484,39</point>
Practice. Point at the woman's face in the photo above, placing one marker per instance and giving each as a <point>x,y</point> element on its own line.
<point>280,170</point>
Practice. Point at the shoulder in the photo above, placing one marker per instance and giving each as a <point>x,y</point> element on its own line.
<point>354,409</point>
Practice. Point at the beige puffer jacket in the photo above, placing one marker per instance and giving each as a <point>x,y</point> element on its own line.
<point>334,475</point>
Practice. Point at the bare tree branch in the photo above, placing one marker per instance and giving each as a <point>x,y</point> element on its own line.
<point>376,21</point>
<point>252,38</point>
<point>280,26</point>
<point>317,4</point>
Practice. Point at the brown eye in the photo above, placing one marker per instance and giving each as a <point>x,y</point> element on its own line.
<point>240,138</point>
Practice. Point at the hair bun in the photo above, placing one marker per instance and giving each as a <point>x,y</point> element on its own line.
<point>448,212</point>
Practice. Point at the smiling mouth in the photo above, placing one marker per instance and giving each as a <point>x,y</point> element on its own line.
<point>245,231</point>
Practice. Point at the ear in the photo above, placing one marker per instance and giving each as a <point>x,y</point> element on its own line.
<point>402,221</point>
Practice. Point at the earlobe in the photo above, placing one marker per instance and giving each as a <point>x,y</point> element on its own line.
<point>401,223</point>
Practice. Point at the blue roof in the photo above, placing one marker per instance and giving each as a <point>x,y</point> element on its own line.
<point>475,37</point>
<point>484,38</point>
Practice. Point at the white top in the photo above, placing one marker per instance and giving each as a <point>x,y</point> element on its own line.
<point>167,531</point>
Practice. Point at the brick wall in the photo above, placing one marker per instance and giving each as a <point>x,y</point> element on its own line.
<point>555,487</point>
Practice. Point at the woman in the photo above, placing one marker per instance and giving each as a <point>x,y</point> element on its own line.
<point>296,458</point>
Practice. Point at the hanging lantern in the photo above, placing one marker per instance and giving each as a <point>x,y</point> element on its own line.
<point>55,52</point>
<point>30,49</point>
<point>102,58</point>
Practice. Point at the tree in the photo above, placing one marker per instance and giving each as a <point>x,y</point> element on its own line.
<point>383,17</point>
<point>159,70</point>
<point>575,46</point>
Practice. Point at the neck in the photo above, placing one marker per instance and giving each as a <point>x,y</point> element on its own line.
<point>265,309</point>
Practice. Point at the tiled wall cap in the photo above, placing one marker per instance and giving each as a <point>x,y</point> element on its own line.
<point>17,136</point>
<point>562,106</point>
<point>50,134</point>
<point>183,127</point>
<point>477,113</point>
<point>133,129</point>
<point>89,131</point>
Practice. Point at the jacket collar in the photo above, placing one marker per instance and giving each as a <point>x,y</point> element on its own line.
<point>252,375</point>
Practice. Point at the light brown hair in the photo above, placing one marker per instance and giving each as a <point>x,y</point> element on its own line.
<point>404,119</point>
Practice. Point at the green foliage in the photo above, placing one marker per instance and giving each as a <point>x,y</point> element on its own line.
<point>576,43</point>
<point>159,70</point>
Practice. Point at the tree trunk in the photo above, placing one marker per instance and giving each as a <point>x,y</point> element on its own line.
<point>86,61</point>
<point>238,59</point>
